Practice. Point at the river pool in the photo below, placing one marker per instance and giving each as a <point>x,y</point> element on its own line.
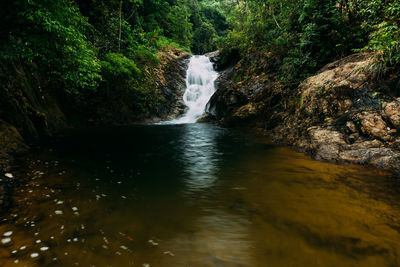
<point>195,195</point>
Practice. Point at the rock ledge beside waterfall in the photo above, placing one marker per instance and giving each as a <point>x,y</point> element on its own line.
<point>170,80</point>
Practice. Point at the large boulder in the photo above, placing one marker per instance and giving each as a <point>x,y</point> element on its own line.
<point>341,117</point>
<point>11,140</point>
<point>226,99</point>
<point>392,111</point>
<point>170,80</point>
<point>11,143</point>
<point>373,125</point>
<point>337,88</point>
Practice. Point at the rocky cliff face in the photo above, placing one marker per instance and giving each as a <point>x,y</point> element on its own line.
<point>170,80</point>
<point>340,114</point>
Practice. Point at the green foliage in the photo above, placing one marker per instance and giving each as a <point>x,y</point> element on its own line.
<point>121,76</point>
<point>179,27</point>
<point>85,45</point>
<point>203,39</point>
<point>209,25</point>
<point>166,42</point>
<point>213,15</point>
<point>304,35</point>
<point>52,34</point>
<point>385,38</point>
<point>105,49</point>
<point>116,68</point>
<point>143,55</point>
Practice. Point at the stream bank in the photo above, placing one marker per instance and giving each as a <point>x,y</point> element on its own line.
<point>341,114</point>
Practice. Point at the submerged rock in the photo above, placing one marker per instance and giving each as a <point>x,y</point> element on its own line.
<point>34,255</point>
<point>11,143</point>
<point>5,241</point>
<point>9,233</point>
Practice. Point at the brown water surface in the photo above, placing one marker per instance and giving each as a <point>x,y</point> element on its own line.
<point>195,195</point>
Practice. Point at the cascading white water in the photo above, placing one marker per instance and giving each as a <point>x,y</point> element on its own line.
<point>200,78</point>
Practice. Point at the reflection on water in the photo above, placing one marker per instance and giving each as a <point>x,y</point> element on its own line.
<point>200,156</point>
<point>195,195</point>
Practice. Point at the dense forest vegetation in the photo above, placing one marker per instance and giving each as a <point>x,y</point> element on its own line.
<point>82,47</point>
<point>300,36</point>
<point>89,45</point>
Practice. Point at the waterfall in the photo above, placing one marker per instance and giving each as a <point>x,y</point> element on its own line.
<point>200,78</point>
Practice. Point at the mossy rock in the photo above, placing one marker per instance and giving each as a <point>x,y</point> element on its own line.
<point>248,110</point>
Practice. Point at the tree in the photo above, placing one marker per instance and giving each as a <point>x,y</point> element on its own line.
<point>179,27</point>
<point>53,34</point>
<point>204,39</point>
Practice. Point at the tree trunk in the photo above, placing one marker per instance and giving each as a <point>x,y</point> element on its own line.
<point>120,26</point>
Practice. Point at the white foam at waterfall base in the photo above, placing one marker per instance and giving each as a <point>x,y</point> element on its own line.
<point>200,78</point>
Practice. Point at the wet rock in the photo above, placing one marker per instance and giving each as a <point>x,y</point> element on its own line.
<point>224,59</point>
<point>326,143</point>
<point>8,233</point>
<point>378,156</point>
<point>11,143</point>
<point>351,127</point>
<point>373,125</point>
<point>352,138</point>
<point>215,58</point>
<point>152,242</point>
<point>5,241</point>
<point>336,90</point>
<point>9,175</point>
<point>248,110</point>
<point>225,99</point>
<point>232,104</point>
<point>34,255</point>
<point>392,111</point>
<point>169,253</point>
<point>170,80</point>
<point>342,114</point>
